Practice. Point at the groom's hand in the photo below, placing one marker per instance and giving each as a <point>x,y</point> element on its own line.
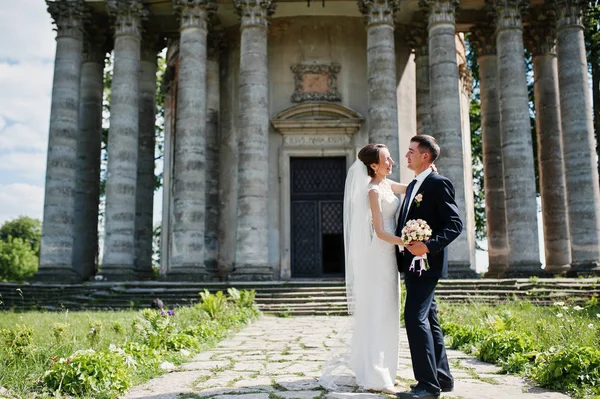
<point>418,248</point>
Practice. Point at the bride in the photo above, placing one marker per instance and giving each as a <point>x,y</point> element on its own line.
<point>370,215</point>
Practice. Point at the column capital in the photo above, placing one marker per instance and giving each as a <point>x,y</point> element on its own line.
<point>127,16</point>
<point>466,77</point>
<point>483,38</point>
<point>254,12</point>
<point>417,38</point>
<point>194,13</point>
<point>69,17</point>
<point>507,14</point>
<point>569,13</point>
<point>378,12</point>
<point>540,37</point>
<point>216,43</point>
<point>440,11</point>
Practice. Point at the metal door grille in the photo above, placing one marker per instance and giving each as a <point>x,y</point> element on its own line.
<point>317,216</point>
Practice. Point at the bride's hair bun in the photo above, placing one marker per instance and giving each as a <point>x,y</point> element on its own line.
<point>369,154</point>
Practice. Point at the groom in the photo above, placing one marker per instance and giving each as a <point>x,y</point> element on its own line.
<point>429,197</point>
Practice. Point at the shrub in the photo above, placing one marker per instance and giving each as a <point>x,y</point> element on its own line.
<point>499,346</point>
<point>463,335</point>
<point>17,260</point>
<point>570,368</point>
<point>89,372</point>
<point>244,299</point>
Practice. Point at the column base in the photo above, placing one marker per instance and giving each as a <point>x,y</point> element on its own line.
<point>526,270</point>
<point>461,270</point>
<point>189,273</point>
<point>116,273</point>
<point>56,274</point>
<point>251,273</point>
<point>144,274</point>
<point>584,269</point>
<point>495,272</point>
<point>557,269</point>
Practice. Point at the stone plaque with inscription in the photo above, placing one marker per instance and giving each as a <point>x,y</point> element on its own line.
<point>315,82</point>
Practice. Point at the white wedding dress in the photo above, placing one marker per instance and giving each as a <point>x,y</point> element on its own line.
<point>372,290</point>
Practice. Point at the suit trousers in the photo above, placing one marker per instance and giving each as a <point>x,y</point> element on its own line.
<point>425,337</point>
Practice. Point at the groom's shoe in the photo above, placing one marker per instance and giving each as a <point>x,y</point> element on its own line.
<point>418,393</point>
<point>445,388</point>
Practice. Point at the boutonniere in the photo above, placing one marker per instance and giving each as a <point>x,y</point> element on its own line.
<point>418,200</point>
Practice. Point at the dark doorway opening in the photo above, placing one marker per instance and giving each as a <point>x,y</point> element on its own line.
<point>317,204</point>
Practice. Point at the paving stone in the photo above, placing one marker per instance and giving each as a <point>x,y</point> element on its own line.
<point>294,347</point>
<point>293,383</point>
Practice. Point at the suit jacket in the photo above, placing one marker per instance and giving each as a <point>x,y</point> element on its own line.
<point>438,208</point>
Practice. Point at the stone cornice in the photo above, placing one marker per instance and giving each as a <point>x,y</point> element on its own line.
<point>483,39</point>
<point>194,13</point>
<point>69,17</point>
<point>507,14</point>
<point>317,118</point>
<point>540,37</point>
<point>127,16</point>
<point>439,11</point>
<point>254,12</point>
<point>569,13</point>
<point>378,12</point>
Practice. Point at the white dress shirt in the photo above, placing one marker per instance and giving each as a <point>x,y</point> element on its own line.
<point>420,178</point>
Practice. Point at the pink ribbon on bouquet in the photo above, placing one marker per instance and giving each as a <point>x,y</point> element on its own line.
<point>422,259</point>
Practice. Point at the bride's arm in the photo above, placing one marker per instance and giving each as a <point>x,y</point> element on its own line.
<point>378,221</point>
<point>397,188</point>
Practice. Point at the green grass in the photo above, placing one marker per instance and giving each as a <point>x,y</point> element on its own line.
<point>556,346</point>
<point>31,343</point>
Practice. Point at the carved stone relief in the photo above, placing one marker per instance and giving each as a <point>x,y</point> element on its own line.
<point>315,82</point>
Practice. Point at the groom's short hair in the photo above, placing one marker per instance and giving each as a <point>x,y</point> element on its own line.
<point>427,144</point>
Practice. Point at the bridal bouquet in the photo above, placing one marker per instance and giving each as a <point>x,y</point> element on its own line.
<point>417,230</point>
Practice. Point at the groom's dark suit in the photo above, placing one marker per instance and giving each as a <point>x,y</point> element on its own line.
<point>426,341</point>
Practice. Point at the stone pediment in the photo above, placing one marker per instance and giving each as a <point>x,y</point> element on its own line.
<point>317,118</point>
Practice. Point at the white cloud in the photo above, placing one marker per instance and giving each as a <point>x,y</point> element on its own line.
<point>19,136</point>
<point>26,31</point>
<point>23,166</point>
<point>20,199</point>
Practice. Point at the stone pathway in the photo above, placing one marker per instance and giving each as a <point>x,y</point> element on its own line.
<point>277,358</point>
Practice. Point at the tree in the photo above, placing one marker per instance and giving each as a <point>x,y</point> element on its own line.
<point>25,228</point>
<point>17,260</point>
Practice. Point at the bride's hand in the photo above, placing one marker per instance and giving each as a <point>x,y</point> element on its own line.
<point>433,167</point>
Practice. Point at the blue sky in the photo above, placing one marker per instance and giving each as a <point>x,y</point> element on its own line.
<point>26,66</point>
<point>27,47</point>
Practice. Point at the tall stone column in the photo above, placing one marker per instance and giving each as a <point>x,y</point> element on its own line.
<point>56,256</point>
<point>119,240</point>
<point>420,43</point>
<point>252,251</point>
<point>541,40</point>
<point>517,151</point>
<point>89,145</point>
<point>583,198</point>
<point>144,203</point>
<point>169,88</point>
<point>446,124</point>
<point>484,40</point>
<point>213,107</point>
<point>189,185</point>
<point>381,75</point>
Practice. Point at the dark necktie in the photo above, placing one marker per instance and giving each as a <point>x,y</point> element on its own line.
<point>406,204</point>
